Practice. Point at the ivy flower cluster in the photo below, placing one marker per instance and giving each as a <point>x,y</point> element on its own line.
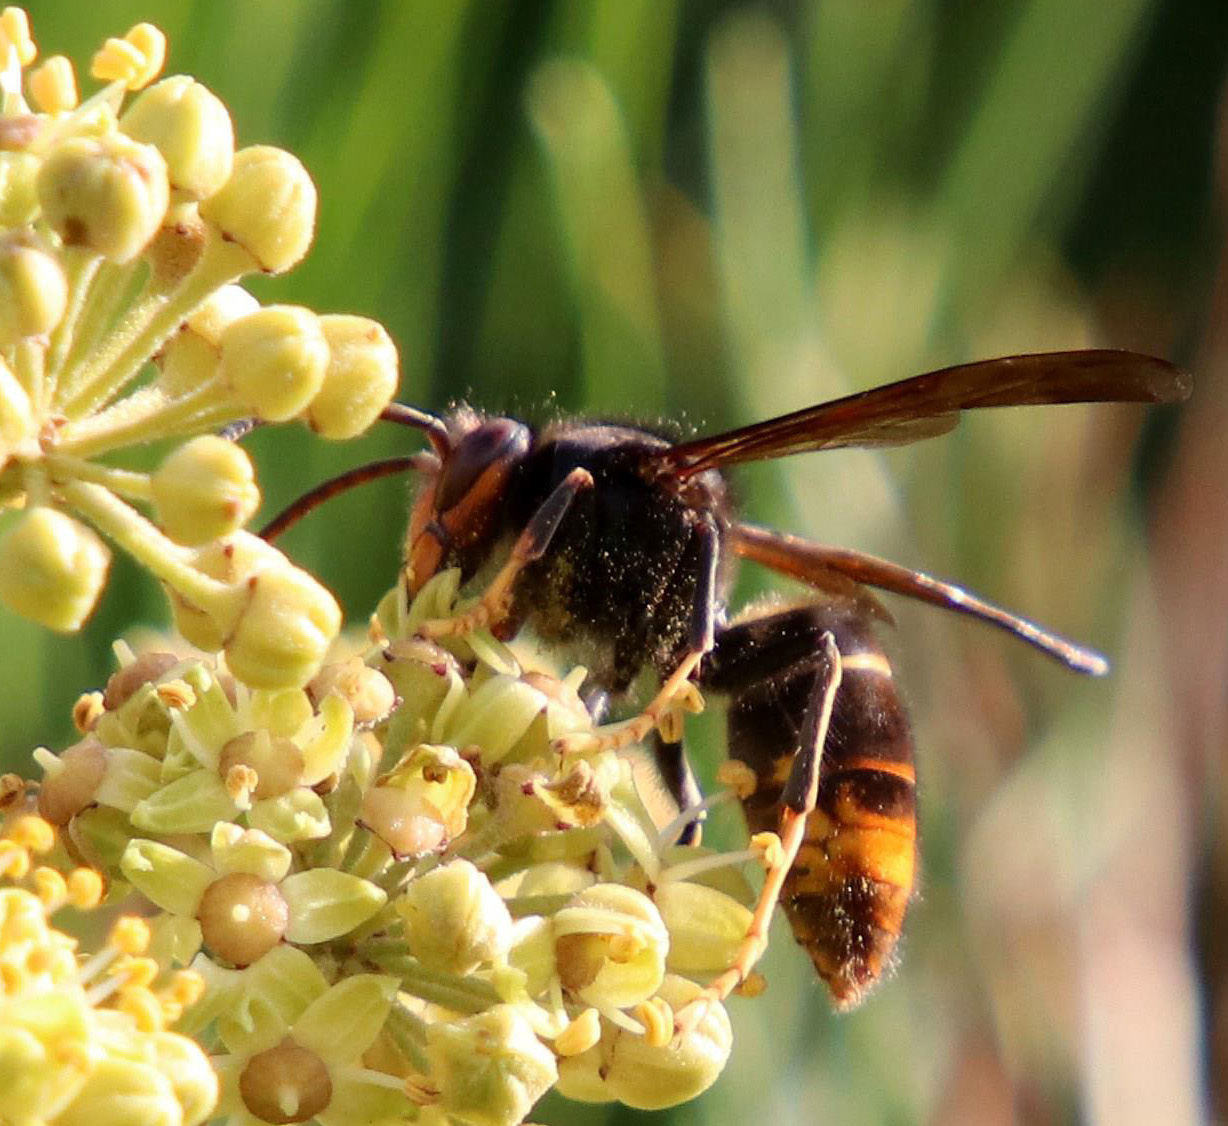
<point>402,902</point>
<point>124,230</point>
<point>370,886</point>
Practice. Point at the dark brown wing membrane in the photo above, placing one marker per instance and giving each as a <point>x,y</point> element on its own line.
<point>813,563</point>
<point>927,405</point>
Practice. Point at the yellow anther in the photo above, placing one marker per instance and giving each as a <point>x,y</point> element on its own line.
<point>40,961</point>
<point>657,1018</point>
<point>143,1007</point>
<point>580,1035</point>
<point>136,60</point>
<point>53,86</point>
<point>625,947</point>
<point>241,782</point>
<point>85,888</point>
<point>152,45</point>
<point>87,711</point>
<point>14,860</point>
<point>15,35</point>
<point>754,985</point>
<point>33,833</point>
<point>12,978</point>
<point>130,935</point>
<point>117,60</point>
<point>138,973</point>
<point>187,987</point>
<point>50,887</point>
<point>171,1010</point>
<point>176,694</point>
<point>769,848</point>
<point>738,777</point>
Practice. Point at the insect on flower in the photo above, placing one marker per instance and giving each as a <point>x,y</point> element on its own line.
<point>621,543</point>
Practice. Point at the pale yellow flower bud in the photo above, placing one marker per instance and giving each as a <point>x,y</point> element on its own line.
<point>33,290</point>
<point>274,360</point>
<point>360,379</point>
<point>267,207</point>
<point>232,561</point>
<point>192,1078</point>
<point>18,427</point>
<point>490,1068</point>
<point>454,920</point>
<point>204,490</point>
<point>106,193</point>
<point>284,630</point>
<point>52,569</point>
<point>191,128</point>
<point>18,188</point>
<point>191,356</point>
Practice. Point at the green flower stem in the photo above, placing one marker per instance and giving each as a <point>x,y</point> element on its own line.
<point>408,1033</point>
<point>147,415</point>
<point>80,267</point>
<point>148,546</point>
<point>106,296</point>
<point>145,329</point>
<point>125,482</point>
<point>369,859</point>
<point>462,995</point>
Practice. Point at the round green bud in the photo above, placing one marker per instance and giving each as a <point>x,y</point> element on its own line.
<point>454,920</point>
<point>191,128</point>
<point>490,1068</point>
<point>190,356</point>
<point>106,193</point>
<point>33,290</point>
<point>205,489</point>
<point>268,207</point>
<point>52,569</point>
<point>360,379</point>
<point>274,360</point>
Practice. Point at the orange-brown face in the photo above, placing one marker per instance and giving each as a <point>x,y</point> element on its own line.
<point>456,516</point>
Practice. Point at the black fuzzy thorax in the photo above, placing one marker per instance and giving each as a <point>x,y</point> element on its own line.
<point>619,578</point>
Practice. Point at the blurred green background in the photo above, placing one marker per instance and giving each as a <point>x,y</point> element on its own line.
<point>707,212</point>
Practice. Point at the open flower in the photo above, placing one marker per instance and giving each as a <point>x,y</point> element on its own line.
<point>295,1052</point>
